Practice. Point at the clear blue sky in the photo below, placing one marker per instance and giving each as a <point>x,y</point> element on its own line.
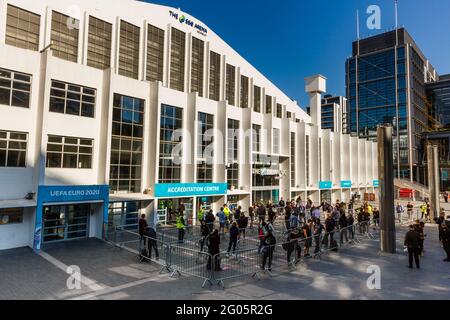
<point>288,40</point>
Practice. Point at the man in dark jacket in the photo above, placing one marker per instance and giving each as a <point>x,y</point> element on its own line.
<point>446,240</point>
<point>412,239</point>
<point>269,247</point>
<point>209,219</point>
<point>142,228</point>
<point>287,216</point>
<point>330,225</point>
<point>261,211</point>
<point>343,224</point>
<point>214,250</point>
<point>152,242</point>
<point>234,234</point>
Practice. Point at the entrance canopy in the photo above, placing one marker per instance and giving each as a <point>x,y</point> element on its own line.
<point>19,203</point>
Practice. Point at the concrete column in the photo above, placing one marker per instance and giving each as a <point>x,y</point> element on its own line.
<point>386,177</point>
<point>433,180</point>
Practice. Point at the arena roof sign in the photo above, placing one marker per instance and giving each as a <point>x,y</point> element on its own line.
<point>182,19</point>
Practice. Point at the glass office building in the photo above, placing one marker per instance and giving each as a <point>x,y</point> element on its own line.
<point>385,83</point>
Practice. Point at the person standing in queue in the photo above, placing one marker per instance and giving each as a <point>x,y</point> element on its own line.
<point>181,225</point>
<point>445,236</point>
<point>214,250</point>
<point>227,213</point>
<point>412,239</point>
<point>268,249</point>
<point>234,234</point>
<point>142,229</point>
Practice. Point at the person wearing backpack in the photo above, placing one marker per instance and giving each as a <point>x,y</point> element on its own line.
<point>242,224</point>
<point>317,231</point>
<point>261,237</point>
<point>291,245</point>
<point>268,249</point>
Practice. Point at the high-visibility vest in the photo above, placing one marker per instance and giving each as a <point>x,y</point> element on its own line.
<point>201,214</point>
<point>423,208</point>
<point>227,212</point>
<point>180,224</point>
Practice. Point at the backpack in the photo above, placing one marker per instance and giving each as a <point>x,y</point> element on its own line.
<point>260,233</point>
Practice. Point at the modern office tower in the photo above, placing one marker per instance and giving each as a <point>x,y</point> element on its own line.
<point>128,107</point>
<point>385,83</point>
<point>334,113</point>
<point>438,101</point>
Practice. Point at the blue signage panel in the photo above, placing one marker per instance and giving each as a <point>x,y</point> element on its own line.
<point>376,183</point>
<point>189,189</point>
<point>325,185</point>
<point>68,194</point>
<point>346,184</point>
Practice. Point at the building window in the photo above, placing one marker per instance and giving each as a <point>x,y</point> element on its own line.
<point>244,92</point>
<point>65,36</point>
<point>214,76</point>
<point>288,115</point>
<point>129,50</point>
<point>155,53</point>
<point>257,99</point>
<point>198,56</point>
<point>99,44</point>
<point>13,149</point>
<point>307,160</point>
<point>72,99</point>
<point>231,85</point>
<point>276,141</point>
<point>205,154</point>
<point>279,111</point>
<point>256,134</point>
<point>177,60</point>
<point>293,159</point>
<point>15,88</point>
<point>268,104</point>
<point>126,144</point>
<point>233,154</point>
<point>69,152</point>
<point>11,216</point>
<point>22,28</point>
<point>170,138</point>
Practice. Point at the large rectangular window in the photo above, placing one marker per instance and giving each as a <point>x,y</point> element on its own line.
<point>72,99</point>
<point>244,92</point>
<point>205,154</point>
<point>276,141</point>
<point>268,104</point>
<point>177,59</point>
<point>11,216</point>
<point>64,36</point>
<point>99,44</point>
<point>256,141</point>
<point>233,154</point>
<point>198,55</point>
<point>257,99</point>
<point>13,148</point>
<point>279,111</point>
<point>15,88</point>
<point>293,159</point>
<point>155,53</point>
<point>69,152</point>
<point>230,85</point>
<point>22,28</point>
<point>170,138</point>
<point>214,76</point>
<point>126,144</point>
<point>129,50</point>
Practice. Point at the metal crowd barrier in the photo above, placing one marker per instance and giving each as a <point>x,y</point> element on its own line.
<point>186,257</point>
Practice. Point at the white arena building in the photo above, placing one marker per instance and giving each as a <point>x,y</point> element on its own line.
<point>103,106</point>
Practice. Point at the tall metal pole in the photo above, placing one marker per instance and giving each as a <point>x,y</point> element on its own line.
<point>433,180</point>
<point>386,180</point>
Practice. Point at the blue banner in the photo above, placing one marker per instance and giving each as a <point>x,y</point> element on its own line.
<point>346,184</point>
<point>68,194</point>
<point>190,189</point>
<point>325,185</point>
<point>376,183</point>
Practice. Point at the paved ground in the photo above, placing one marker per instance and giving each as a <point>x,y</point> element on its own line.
<point>110,273</point>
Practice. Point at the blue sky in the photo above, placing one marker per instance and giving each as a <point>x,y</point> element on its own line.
<point>288,40</point>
